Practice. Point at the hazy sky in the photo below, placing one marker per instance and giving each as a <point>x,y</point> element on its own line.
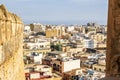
<point>59,11</point>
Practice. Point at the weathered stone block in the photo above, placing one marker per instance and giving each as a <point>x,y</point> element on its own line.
<point>11,52</point>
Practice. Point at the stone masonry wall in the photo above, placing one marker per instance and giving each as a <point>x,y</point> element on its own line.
<point>113,40</point>
<point>11,52</point>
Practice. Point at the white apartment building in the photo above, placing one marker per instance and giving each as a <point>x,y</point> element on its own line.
<point>27,29</point>
<point>88,43</point>
<point>65,64</point>
<point>40,45</point>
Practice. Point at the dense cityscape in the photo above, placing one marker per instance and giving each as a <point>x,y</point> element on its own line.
<point>73,52</point>
<point>60,40</point>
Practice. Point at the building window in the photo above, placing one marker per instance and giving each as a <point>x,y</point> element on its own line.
<point>94,68</point>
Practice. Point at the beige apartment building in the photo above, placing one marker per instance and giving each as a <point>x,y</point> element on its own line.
<point>100,66</point>
<point>65,65</point>
<point>37,27</point>
<point>53,33</point>
<point>98,37</point>
<point>60,62</point>
<point>72,74</point>
<point>41,46</point>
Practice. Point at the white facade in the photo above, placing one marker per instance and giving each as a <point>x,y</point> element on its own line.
<point>41,45</point>
<point>71,64</point>
<point>88,43</point>
<point>44,68</point>
<point>70,28</point>
<point>27,29</point>
<point>34,75</point>
<point>38,59</point>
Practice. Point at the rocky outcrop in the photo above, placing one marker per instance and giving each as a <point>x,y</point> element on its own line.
<point>113,40</point>
<point>11,52</point>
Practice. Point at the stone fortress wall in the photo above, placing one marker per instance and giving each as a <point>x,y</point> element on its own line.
<point>113,42</point>
<point>11,40</point>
